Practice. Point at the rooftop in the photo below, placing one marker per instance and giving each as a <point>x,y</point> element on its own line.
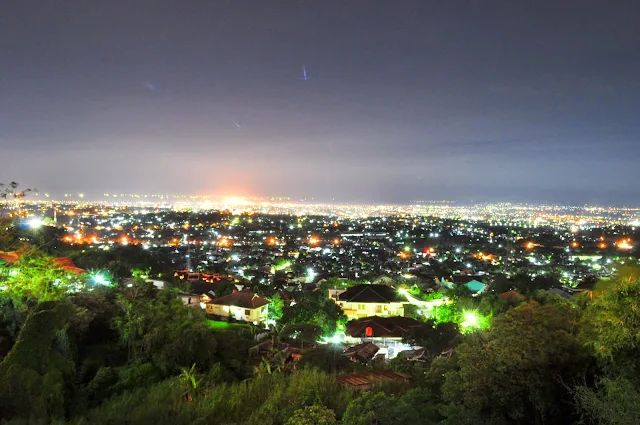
<point>370,294</point>
<point>245,299</point>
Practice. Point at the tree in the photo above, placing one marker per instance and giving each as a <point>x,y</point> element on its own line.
<point>276,308</point>
<point>9,238</point>
<point>377,408</point>
<point>611,329</point>
<point>518,370</point>
<point>313,415</point>
<point>189,380</point>
<point>434,338</point>
<point>314,309</point>
<point>36,375</point>
<point>36,278</point>
<point>327,358</point>
<point>500,284</point>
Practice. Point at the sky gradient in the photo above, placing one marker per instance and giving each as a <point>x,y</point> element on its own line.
<point>405,100</point>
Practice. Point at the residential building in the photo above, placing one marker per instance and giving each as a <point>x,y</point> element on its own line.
<point>369,300</point>
<point>240,305</point>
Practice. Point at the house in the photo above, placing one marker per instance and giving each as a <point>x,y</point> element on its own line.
<point>472,282</point>
<point>240,305</point>
<point>189,299</point>
<point>364,352</point>
<point>364,381</point>
<point>206,291</point>
<point>511,296</point>
<point>381,327</point>
<point>417,355</point>
<point>369,300</point>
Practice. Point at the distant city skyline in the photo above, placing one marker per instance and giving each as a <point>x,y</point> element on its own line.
<point>361,101</point>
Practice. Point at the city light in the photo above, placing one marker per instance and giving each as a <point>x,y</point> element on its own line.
<point>624,244</point>
<point>35,223</point>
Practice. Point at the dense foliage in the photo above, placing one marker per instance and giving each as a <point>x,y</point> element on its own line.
<point>73,352</point>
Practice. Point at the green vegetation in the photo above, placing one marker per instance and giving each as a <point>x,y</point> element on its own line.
<point>78,351</point>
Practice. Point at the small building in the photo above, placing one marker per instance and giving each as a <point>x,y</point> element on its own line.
<point>190,300</point>
<point>511,296</point>
<point>381,327</point>
<point>472,282</point>
<point>364,352</point>
<point>240,305</point>
<point>370,300</point>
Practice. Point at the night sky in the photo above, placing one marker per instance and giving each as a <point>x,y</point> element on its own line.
<point>403,100</point>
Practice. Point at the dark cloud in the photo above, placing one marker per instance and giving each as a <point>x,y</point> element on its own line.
<point>485,100</point>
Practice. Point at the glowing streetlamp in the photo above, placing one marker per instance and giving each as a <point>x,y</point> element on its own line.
<point>100,279</point>
<point>470,319</point>
<point>35,223</point>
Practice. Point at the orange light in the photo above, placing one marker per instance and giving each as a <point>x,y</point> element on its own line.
<point>530,245</point>
<point>124,240</point>
<point>224,242</point>
<point>602,245</point>
<point>272,241</point>
<point>336,241</point>
<point>575,244</point>
<point>313,240</point>
<point>624,244</point>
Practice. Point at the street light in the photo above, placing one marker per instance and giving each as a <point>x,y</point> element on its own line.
<point>35,223</point>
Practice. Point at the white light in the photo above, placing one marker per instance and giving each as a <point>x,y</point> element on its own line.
<point>35,223</point>
<point>99,279</point>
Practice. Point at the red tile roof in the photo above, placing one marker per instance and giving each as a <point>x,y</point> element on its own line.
<point>9,257</point>
<point>63,262</point>
<point>366,380</point>
<point>511,295</point>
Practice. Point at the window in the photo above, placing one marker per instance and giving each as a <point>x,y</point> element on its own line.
<point>379,309</point>
<point>247,312</point>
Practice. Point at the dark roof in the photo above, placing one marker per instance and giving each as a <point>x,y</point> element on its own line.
<point>245,299</point>
<point>366,380</point>
<point>382,327</point>
<point>413,355</point>
<point>560,293</point>
<point>370,294</point>
<point>203,287</point>
<point>364,352</point>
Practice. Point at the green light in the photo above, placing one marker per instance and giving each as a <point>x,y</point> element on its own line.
<point>282,266</point>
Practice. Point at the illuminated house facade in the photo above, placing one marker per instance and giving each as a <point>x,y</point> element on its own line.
<point>369,300</point>
<point>240,305</point>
